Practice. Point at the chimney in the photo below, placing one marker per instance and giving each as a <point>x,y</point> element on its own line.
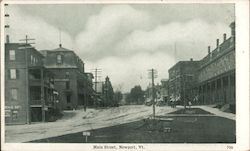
<point>7,39</point>
<point>208,49</point>
<point>217,43</point>
<point>224,37</point>
<point>191,59</point>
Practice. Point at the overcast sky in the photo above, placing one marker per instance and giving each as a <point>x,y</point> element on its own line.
<point>124,40</point>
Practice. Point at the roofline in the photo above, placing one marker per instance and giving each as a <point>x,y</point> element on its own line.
<point>71,51</point>
<point>24,44</point>
<point>195,61</point>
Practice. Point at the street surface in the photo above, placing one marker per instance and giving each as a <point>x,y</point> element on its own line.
<point>78,120</point>
<point>182,129</point>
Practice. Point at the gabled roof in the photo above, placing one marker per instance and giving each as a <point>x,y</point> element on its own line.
<point>61,49</point>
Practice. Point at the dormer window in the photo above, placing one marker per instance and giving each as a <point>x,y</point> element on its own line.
<point>59,59</point>
<point>32,60</point>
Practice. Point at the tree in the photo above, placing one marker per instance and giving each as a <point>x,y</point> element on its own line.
<point>117,97</point>
<point>136,95</point>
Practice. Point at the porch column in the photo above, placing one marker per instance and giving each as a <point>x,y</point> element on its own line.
<point>222,91</point>
<point>209,93</point>
<point>229,89</point>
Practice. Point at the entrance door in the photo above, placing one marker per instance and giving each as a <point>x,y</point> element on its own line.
<point>36,114</point>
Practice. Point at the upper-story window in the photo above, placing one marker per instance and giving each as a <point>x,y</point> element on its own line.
<point>12,54</point>
<point>35,60</point>
<point>13,94</point>
<point>67,84</point>
<point>31,59</point>
<point>67,74</point>
<point>59,59</point>
<point>13,74</point>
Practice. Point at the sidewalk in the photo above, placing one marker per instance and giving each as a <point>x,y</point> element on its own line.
<point>217,112</point>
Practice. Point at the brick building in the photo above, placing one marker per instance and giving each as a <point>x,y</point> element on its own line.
<point>183,80</point>
<point>217,72</point>
<point>29,87</point>
<point>70,79</point>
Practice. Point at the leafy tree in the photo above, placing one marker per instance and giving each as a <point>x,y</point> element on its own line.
<point>136,95</point>
<point>118,96</point>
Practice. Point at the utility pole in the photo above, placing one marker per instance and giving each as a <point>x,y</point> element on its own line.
<point>27,40</point>
<point>27,73</point>
<point>153,75</point>
<point>85,93</point>
<point>96,72</point>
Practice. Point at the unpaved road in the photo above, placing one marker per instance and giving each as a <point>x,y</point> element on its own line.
<point>77,121</point>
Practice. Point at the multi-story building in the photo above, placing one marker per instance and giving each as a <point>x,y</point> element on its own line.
<point>164,90</point>
<point>29,88</point>
<point>183,80</point>
<point>70,79</point>
<point>217,72</point>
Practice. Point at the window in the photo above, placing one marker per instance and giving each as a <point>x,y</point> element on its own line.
<point>59,59</point>
<point>68,98</point>
<point>67,85</point>
<point>12,55</point>
<point>13,94</point>
<point>12,73</point>
<point>67,75</point>
<point>31,59</point>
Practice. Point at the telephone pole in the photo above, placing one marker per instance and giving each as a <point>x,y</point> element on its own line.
<point>27,40</point>
<point>153,75</point>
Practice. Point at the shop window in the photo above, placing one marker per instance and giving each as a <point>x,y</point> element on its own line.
<point>12,54</point>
